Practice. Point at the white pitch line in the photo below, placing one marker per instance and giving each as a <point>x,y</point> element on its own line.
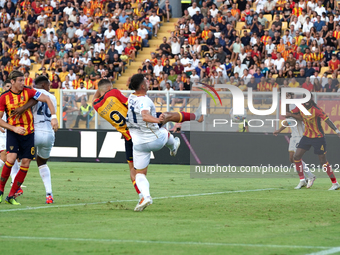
<point>326,252</point>
<point>133,200</point>
<point>160,242</point>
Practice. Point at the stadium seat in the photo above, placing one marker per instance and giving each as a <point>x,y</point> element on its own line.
<point>268,17</point>
<point>240,25</point>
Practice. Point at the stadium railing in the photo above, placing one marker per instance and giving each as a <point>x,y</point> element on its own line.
<point>329,102</point>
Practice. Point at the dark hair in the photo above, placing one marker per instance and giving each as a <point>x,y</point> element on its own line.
<point>7,81</point>
<point>103,82</point>
<point>41,78</point>
<point>136,81</point>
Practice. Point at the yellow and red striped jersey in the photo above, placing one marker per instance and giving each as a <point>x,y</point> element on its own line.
<point>313,128</point>
<point>112,106</point>
<point>10,101</point>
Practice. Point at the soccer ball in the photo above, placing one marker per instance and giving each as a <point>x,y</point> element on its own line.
<point>237,118</point>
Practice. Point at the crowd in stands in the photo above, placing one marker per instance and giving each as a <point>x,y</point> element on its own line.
<point>75,43</point>
<point>261,44</point>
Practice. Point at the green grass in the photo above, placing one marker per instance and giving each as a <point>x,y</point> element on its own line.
<point>283,216</point>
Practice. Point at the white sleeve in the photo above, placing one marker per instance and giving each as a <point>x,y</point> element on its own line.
<point>145,104</point>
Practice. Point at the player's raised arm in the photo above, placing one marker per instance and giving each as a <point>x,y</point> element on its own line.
<point>54,121</point>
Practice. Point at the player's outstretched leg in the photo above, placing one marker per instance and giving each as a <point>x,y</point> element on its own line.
<point>173,144</point>
<point>180,117</point>
<point>329,171</point>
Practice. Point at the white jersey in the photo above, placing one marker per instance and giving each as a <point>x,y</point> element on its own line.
<point>141,131</point>
<point>4,118</point>
<point>298,130</point>
<point>42,114</point>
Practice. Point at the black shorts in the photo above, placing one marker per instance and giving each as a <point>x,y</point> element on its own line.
<point>319,144</point>
<point>129,150</point>
<point>23,145</point>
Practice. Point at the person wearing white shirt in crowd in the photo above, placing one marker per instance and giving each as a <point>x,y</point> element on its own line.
<point>109,33</point>
<point>25,62</point>
<point>85,59</point>
<point>185,60</point>
<point>192,9</point>
<point>189,68</point>
<point>50,29</point>
<point>119,47</point>
<point>239,68</point>
<point>253,39</point>
<point>125,39</point>
<point>315,76</point>
<point>320,9</point>
<point>324,80</point>
<point>42,18</point>
<point>297,25</point>
<point>193,76</point>
<point>83,19</point>
<point>337,17</point>
<point>213,11</point>
<point>158,68</point>
<point>260,5</point>
<point>287,38</point>
<point>242,55</point>
<point>279,62</point>
<point>155,20</point>
<point>23,51</point>
<point>71,75</point>
<point>307,25</point>
<point>270,46</point>
<point>99,46</point>
<point>269,62</point>
<point>67,84</point>
<point>302,18</point>
<point>143,33</point>
<point>319,39</point>
<point>311,5</point>
<point>15,26</point>
<point>246,76</point>
<point>80,31</point>
<point>175,46</point>
<point>195,60</point>
<point>68,9</point>
<point>52,38</point>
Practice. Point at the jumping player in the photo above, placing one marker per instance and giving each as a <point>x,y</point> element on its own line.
<point>146,134</point>
<point>20,132</point>
<point>313,136</point>
<point>296,135</point>
<point>44,134</point>
<point>111,105</point>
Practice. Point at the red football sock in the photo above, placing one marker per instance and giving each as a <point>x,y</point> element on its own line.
<point>6,171</point>
<point>136,188</point>
<point>329,171</point>
<point>299,169</point>
<point>19,179</point>
<point>187,116</point>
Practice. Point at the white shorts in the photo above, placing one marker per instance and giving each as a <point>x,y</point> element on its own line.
<point>142,152</point>
<point>43,142</point>
<point>293,143</point>
<point>2,142</point>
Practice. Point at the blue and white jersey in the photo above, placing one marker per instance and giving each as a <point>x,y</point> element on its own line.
<point>42,114</point>
<point>141,131</point>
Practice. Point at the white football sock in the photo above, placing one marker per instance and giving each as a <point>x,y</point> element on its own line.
<point>15,170</point>
<point>143,185</point>
<point>45,174</point>
<point>171,143</point>
<point>308,173</point>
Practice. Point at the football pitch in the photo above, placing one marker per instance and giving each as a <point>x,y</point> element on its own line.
<point>94,202</point>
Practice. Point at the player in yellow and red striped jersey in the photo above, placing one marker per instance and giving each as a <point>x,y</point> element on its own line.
<point>20,131</point>
<point>111,105</point>
<point>313,136</point>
